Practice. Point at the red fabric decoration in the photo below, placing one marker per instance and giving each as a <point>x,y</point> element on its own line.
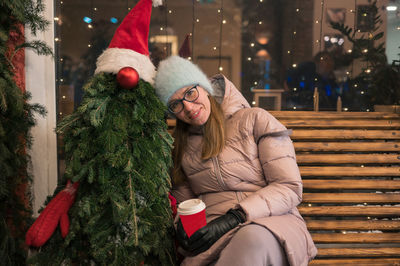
<point>184,51</point>
<point>135,26</point>
<point>55,212</point>
<point>128,78</point>
<point>172,201</point>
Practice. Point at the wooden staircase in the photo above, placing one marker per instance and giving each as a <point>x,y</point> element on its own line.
<point>350,165</point>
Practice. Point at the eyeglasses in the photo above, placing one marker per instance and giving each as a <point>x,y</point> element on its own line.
<point>190,95</point>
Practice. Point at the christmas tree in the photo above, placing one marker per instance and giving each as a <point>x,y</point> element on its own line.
<point>118,148</point>
<point>379,80</point>
<point>16,120</point>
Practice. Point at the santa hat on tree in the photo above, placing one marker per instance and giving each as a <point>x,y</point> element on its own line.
<point>129,46</point>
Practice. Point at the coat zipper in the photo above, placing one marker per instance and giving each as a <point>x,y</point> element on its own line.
<point>218,173</point>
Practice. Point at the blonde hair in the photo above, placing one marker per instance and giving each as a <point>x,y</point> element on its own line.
<point>213,140</point>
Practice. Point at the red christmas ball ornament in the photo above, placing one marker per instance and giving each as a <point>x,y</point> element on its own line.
<point>128,77</point>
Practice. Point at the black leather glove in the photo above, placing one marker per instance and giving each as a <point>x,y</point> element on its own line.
<point>206,236</point>
<point>182,237</point>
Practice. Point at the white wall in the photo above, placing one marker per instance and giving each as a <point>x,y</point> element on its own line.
<point>40,81</point>
<point>393,34</point>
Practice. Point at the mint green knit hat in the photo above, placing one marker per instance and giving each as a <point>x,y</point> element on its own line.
<point>175,73</point>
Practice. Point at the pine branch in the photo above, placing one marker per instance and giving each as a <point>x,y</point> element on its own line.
<point>133,203</point>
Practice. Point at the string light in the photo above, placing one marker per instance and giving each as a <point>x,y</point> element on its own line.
<point>294,107</point>
<point>222,21</point>
<point>248,58</point>
<point>294,65</point>
<point>56,39</point>
<point>64,97</point>
<point>197,20</point>
<point>166,27</point>
<point>255,82</point>
<point>56,18</point>
<point>170,11</point>
<point>192,33</point>
<point>291,51</point>
<point>253,102</point>
<point>252,44</point>
<point>320,28</point>
<point>260,22</point>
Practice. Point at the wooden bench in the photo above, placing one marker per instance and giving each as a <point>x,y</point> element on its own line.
<point>350,165</point>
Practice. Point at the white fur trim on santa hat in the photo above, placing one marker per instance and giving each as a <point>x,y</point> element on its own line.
<point>113,59</point>
<point>157,3</point>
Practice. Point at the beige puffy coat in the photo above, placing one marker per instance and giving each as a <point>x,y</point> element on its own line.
<point>257,171</point>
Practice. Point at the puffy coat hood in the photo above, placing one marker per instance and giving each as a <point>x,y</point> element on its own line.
<point>227,95</point>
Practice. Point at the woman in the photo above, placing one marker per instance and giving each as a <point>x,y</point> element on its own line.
<point>241,162</point>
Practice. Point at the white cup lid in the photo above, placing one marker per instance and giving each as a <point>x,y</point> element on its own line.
<point>191,206</point>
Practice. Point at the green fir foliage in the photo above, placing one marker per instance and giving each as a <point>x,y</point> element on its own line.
<point>118,147</point>
<point>16,120</point>
<point>380,79</point>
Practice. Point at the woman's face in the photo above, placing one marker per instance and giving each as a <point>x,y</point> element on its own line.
<point>194,112</point>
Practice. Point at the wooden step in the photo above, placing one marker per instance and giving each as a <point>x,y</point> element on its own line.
<point>353,225</point>
<point>364,211</point>
<point>356,237</point>
<point>359,252</point>
<point>332,115</point>
<point>351,184</point>
<point>347,146</point>
<point>352,262</point>
<point>348,158</point>
<point>351,198</point>
<point>344,134</point>
<point>340,123</point>
<point>321,171</point>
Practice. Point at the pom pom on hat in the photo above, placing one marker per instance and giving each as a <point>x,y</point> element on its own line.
<point>175,73</point>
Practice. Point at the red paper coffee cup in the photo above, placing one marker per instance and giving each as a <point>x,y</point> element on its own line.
<point>193,215</point>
